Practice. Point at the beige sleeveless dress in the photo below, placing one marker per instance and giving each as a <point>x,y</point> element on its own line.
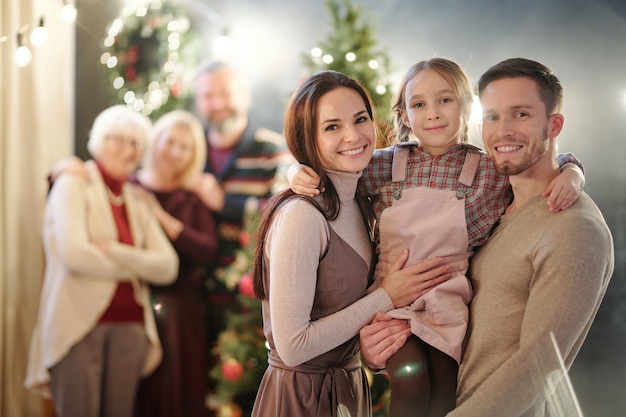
<point>334,383</point>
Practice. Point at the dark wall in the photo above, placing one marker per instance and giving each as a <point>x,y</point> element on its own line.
<point>93,18</point>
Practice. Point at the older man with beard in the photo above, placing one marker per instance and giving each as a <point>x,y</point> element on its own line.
<point>245,165</point>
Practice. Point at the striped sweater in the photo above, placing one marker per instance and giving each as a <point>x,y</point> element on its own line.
<point>254,172</point>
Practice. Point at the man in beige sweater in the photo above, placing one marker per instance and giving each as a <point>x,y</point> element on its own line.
<point>540,278</point>
<point>541,275</point>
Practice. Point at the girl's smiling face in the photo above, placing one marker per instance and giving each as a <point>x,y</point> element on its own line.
<point>345,134</point>
<point>432,111</point>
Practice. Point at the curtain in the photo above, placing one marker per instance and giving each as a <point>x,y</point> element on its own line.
<point>36,130</point>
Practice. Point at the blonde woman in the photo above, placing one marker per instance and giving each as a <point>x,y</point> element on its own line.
<point>174,160</point>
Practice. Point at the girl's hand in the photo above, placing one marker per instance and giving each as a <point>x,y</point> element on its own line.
<point>405,284</point>
<point>564,190</point>
<point>303,180</point>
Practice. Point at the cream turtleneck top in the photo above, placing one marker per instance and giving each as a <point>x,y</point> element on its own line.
<point>296,241</point>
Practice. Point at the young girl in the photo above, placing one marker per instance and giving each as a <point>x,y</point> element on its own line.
<point>439,196</point>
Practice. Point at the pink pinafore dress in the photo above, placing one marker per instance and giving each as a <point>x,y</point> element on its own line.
<point>430,222</point>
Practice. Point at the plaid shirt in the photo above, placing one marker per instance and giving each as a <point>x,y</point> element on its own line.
<point>485,200</point>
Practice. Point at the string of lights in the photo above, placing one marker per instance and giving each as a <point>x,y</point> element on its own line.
<point>35,34</point>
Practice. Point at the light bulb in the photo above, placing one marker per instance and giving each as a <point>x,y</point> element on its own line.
<point>222,45</point>
<point>69,12</point>
<point>22,53</point>
<point>22,56</point>
<point>38,34</point>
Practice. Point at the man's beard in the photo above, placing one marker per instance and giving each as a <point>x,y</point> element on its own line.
<point>528,161</point>
<point>227,125</point>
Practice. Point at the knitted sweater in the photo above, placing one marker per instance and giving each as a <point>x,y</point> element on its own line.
<point>255,170</point>
<point>539,273</point>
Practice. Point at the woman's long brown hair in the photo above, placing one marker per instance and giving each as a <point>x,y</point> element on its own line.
<point>300,128</point>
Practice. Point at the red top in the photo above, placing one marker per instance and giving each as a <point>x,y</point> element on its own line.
<point>123,307</point>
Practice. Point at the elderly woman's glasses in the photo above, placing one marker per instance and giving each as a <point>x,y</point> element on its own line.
<point>123,140</point>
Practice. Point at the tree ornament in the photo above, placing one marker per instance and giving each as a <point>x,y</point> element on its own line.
<point>244,238</point>
<point>232,370</point>
<point>245,285</point>
<point>229,410</point>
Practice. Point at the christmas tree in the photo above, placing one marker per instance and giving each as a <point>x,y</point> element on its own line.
<point>351,49</point>
<point>241,348</point>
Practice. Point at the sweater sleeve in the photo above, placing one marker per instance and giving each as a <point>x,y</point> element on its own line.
<point>378,172</point>
<point>570,158</point>
<point>296,241</point>
<point>66,223</point>
<point>156,262</point>
<point>153,259</point>
<point>198,239</point>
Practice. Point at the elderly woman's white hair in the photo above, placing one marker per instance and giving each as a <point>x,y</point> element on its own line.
<point>185,119</point>
<point>118,120</point>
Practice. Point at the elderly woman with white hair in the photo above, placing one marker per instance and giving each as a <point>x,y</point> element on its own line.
<point>95,335</point>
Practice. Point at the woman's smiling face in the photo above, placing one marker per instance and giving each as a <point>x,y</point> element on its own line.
<point>346,134</point>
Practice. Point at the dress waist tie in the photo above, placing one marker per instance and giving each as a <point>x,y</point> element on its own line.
<point>341,398</point>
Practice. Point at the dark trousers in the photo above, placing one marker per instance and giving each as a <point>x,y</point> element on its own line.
<point>99,376</point>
